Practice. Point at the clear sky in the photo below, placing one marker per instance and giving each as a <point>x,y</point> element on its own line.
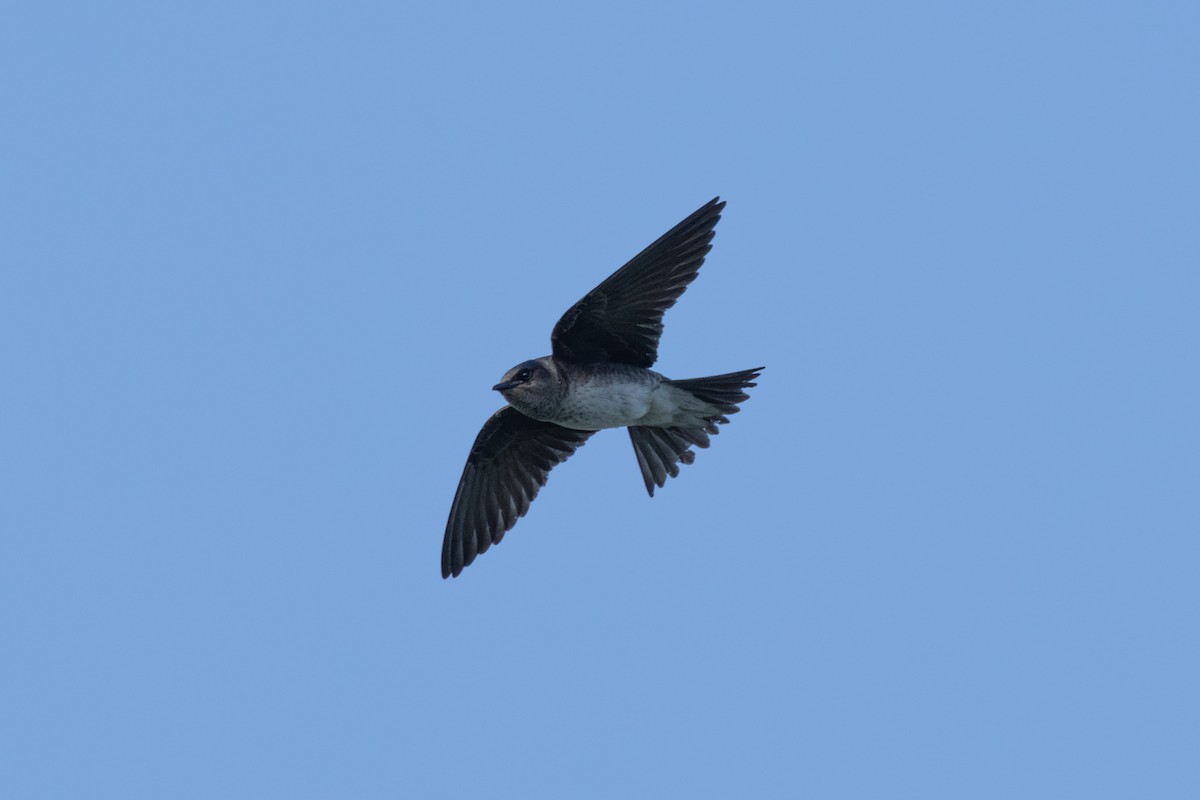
<point>262,262</point>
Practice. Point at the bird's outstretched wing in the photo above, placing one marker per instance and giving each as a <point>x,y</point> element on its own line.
<point>508,465</point>
<point>621,319</point>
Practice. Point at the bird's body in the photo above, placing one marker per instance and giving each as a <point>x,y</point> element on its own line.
<point>597,377</point>
<point>603,396</point>
<point>592,397</point>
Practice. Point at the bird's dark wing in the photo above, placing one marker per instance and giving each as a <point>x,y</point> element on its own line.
<point>508,465</point>
<point>621,319</point>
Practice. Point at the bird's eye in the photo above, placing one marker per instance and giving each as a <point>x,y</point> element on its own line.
<point>524,375</point>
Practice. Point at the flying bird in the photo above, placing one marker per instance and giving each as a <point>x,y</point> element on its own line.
<point>597,376</point>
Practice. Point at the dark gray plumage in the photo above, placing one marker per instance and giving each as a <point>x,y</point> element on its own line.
<point>621,319</point>
<point>596,377</point>
<point>508,464</point>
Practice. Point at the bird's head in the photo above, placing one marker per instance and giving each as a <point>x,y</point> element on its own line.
<point>526,383</point>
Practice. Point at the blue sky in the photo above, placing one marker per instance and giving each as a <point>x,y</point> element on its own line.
<point>262,263</point>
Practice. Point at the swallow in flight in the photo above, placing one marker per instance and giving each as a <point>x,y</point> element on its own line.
<point>597,376</point>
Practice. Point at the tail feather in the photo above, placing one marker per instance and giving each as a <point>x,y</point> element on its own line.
<point>723,391</point>
<point>660,450</point>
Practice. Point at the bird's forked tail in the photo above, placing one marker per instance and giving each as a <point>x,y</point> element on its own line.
<point>659,450</point>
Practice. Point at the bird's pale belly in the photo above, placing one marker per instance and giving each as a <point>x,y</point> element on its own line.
<point>594,406</point>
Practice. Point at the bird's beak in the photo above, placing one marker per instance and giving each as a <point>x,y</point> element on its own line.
<point>502,385</point>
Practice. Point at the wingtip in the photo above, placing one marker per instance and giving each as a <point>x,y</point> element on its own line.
<point>711,208</point>
<point>705,217</point>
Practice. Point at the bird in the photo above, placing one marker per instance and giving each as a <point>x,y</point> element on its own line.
<point>597,376</point>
